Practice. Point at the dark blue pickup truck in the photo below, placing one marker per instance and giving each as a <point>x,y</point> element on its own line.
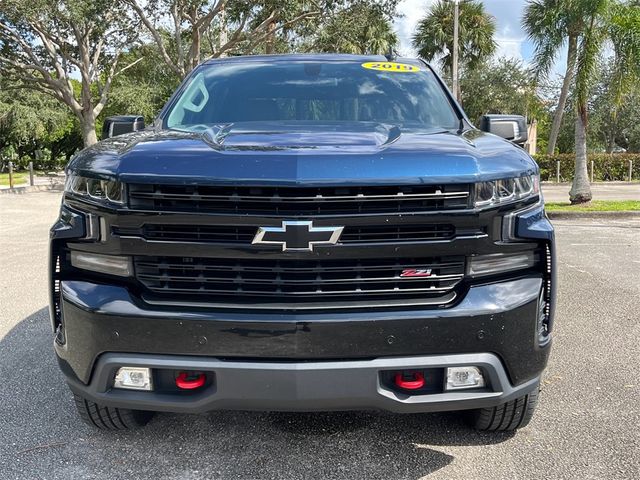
<point>304,233</point>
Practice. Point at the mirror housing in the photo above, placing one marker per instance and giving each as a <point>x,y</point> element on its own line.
<point>509,127</point>
<point>121,124</point>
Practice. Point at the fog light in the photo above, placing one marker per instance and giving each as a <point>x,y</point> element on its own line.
<point>496,263</point>
<point>134,378</point>
<point>464,377</point>
<point>110,264</point>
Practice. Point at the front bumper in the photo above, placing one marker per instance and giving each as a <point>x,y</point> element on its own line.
<point>305,360</point>
<point>300,386</point>
<point>302,361</point>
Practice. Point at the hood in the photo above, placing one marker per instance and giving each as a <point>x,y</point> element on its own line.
<point>305,153</point>
<point>360,137</point>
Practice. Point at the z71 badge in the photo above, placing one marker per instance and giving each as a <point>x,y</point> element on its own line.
<point>416,272</point>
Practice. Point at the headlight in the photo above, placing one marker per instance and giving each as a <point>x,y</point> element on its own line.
<point>109,190</point>
<point>507,190</point>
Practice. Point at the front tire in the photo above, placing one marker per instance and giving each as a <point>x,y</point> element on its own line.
<point>110,418</point>
<point>506,417</point>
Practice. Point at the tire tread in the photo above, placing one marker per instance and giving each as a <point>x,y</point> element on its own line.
<point>508,416</point>
<point>110,418</point>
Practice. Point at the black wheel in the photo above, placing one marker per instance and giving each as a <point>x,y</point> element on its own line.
<point>508,416</point>
<point>110,418</point>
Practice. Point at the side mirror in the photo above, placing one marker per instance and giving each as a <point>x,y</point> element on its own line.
<point>121,124</point>
<point>509,127</point>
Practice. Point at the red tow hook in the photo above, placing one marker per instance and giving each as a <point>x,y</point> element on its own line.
<point>190,382</point>
<point>415,384</point>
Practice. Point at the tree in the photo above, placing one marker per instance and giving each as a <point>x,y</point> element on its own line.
<point>552,25</point>
<point>500,86</point>
<point>44,45</point>
<point>434,35</point>
<point>202,29</point>
<point>611,126</point>
<point>624,33</point>
<point>31,123</point>
<point>586,27</point>
<point>361,29</point>
<point>619,23</point>
<point>144,88</point>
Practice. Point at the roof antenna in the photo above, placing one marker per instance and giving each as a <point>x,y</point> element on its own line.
<point>391,54</point>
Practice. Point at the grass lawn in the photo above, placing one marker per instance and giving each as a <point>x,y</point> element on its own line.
<point>18,178</point>
<point>595,206</point>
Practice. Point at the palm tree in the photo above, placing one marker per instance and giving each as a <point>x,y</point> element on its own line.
<point>585,27</point>
<point>434,35</point>
<point>552,24</point>
<point>624,33</point>
<point>618,23</point>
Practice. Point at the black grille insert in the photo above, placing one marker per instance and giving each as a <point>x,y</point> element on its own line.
<point>298,200</point>
<point>246,281</point>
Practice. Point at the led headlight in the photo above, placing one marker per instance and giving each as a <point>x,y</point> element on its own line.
<point>498,192</point>
<point>109,190</point>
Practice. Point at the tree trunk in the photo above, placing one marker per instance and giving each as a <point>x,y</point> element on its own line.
<point>612,128</point>
<point>53,155</point>
<point>611,141</point>
<point>195,49</point>
<point>88,127</point>
<point>223,29</point>
<point>564,94</point>
<point>580,189</point>
<point>271,37</point>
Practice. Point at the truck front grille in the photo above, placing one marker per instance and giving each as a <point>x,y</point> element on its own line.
<point>214,280</point>
<point>298,201</point>
<point>228,218</point>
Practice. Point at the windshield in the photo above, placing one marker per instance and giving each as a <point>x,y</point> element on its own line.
<point>392,93</point>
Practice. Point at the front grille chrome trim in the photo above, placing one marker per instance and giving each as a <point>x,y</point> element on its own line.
<point>317,198</point>
<point>432,278</point>
<point>402,302</point>
<point>299,201</point>
<point>246,234</point>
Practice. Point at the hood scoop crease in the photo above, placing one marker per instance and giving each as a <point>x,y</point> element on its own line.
<point>263,136</point>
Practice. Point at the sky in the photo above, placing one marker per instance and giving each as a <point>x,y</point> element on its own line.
<point>511,39</point>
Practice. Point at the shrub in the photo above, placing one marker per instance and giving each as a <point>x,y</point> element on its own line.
<point>607,167</point>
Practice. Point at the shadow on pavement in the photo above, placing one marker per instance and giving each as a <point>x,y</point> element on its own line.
<point>43,438</point>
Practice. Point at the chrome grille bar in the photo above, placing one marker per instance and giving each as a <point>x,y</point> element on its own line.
<point>298,200</point>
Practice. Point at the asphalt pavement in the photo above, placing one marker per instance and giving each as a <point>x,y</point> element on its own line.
<point>587,425</point>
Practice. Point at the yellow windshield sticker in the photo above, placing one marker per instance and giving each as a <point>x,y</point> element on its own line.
<point>391,67</point>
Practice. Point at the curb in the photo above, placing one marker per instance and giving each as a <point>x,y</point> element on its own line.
<point>603,215</point>
<point>58,187</point>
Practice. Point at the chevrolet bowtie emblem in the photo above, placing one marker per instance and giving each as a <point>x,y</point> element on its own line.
<point>297,236</point>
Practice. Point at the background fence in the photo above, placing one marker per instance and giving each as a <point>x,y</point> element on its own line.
<point>602,167</point>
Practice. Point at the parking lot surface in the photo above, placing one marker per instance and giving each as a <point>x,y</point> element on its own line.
<point>587,425</point>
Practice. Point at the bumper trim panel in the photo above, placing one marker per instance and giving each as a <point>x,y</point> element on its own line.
<point>299,386</point>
